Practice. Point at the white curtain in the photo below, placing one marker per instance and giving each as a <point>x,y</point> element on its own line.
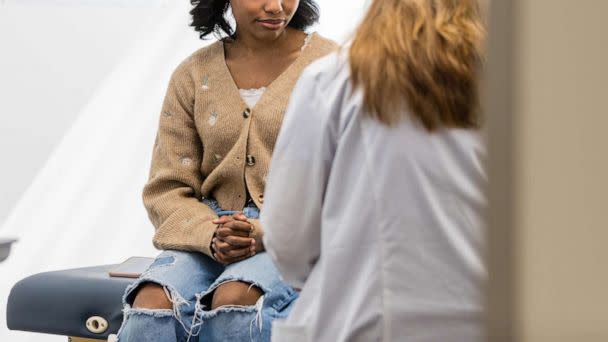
<point>84,207</point>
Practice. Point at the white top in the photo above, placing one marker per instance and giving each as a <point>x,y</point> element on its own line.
<point>252,96</point>
<point>380,227</point>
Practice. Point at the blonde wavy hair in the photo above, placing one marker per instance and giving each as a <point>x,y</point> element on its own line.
<point>424,55</point>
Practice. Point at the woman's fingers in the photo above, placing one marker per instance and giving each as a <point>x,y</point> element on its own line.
<point>223,220</point>
<point>238,225</point>
<point>225,247</point>
<point>238,241</point>
<point>221,246</point>
<point>236,253</point>
<point>240,216</point>
<point>219,257</point>
<point>226,260</point>
<point>223,232</point>
<point>226,254</point>
<point>232,242</point>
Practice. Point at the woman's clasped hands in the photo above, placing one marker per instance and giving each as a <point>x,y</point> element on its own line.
<point>235,239</point>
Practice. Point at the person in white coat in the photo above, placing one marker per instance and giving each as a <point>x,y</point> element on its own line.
<point>374,198</point>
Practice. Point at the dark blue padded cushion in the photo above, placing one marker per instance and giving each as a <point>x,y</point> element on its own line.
<point>60,302</point>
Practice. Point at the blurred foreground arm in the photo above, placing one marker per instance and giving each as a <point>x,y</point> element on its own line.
<point>296,183</point>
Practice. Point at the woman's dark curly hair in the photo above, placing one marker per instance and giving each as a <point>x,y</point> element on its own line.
<point>208,16</point>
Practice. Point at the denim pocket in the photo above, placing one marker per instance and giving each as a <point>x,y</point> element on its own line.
<point>285,300</point>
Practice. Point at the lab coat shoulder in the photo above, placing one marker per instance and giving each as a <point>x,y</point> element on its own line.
<point>325,85</point>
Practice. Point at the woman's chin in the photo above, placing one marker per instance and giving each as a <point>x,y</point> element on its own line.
<point>269,35</point>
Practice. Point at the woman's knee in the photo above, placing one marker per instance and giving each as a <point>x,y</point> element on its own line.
<point>235,293</point>
<point>151,296</point>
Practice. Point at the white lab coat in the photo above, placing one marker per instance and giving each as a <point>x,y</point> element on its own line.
<point>380,227</point>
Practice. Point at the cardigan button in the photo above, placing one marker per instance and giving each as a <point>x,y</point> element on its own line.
<point>247,113</point>
<point>261,198</point>
<point>250,160</point>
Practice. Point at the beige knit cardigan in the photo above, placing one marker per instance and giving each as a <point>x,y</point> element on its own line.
<point>209,144</point>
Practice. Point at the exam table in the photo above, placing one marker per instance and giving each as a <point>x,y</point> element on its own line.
<point>83,304</point>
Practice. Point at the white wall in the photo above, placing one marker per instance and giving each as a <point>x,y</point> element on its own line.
<point>52,58</point>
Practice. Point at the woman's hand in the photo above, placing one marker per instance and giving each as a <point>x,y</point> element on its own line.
<point>233,239</point>
<point>257,233</point>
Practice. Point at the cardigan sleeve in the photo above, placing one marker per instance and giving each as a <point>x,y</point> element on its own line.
<point>173,192</point>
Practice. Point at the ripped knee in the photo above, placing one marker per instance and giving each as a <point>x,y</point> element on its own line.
<point>235,293</point>
<point>151,296</point>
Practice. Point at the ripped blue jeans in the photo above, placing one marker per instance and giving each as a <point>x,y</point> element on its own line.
<point>189,277</point>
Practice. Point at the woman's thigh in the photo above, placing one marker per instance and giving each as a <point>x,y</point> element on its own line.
<point>182,274</point>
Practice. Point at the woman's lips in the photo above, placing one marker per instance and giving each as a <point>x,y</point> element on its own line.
<point>272,24</point>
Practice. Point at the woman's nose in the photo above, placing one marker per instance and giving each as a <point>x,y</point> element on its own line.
<point>274,6</point>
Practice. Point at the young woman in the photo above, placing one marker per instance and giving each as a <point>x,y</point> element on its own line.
<point>218,126</point>
<point>378,177</point>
